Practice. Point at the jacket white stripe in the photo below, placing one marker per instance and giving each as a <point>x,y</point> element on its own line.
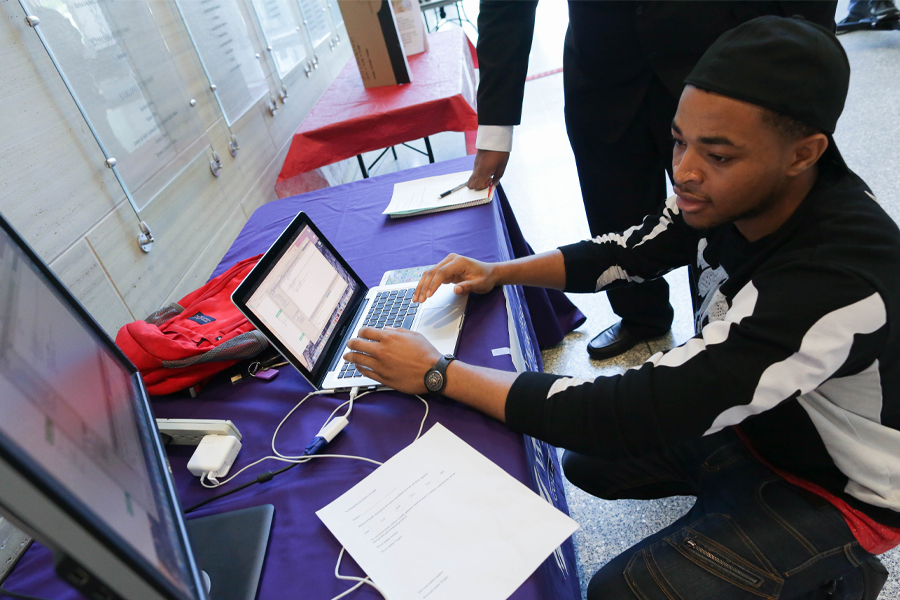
<point>714,333</point>
<point>665,220</point>
<point>825,347</point>
<point>615,273</point>
<point>847,414</point>
<point>565,383</point>
<point>622,238</point>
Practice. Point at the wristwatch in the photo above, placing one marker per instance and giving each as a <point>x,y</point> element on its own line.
<point>436,377</point>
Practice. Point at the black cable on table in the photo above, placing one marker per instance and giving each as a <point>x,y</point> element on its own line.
<point>262,478</point>
<point>314,447</point>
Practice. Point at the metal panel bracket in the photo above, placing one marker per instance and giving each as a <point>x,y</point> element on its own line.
<point>215,165</point>
<point>145,239</point>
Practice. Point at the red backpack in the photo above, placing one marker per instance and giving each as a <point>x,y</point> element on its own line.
<point>187,342</point>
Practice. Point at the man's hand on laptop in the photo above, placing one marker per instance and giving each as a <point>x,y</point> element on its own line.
<point>398,358</point>
<point>469,274</point>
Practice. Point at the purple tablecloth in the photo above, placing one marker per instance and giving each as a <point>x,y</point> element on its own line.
<point>302,553</point>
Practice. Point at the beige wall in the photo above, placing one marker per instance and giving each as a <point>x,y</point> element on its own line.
<point>56,190</point>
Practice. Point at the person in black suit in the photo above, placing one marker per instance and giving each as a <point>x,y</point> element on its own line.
<point>624,64</point>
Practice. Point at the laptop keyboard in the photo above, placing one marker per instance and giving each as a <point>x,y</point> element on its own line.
<point>390,309</point>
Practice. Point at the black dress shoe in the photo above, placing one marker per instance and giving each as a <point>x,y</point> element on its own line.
<point>870,14</point>
<point>884,10</point>
<point>613,341</point>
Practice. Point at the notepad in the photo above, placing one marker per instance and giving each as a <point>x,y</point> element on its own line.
<point>422,196</point>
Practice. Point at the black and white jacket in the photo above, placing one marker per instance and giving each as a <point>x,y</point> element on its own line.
<point>797,340</point>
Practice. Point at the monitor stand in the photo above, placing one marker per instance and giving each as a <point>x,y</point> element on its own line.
<point>230,547</point>
<point>13,544</point>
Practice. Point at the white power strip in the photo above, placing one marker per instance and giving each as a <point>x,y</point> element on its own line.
<point>189,432</point>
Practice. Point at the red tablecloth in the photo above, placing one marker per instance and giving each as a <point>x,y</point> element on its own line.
<point>350,119</point>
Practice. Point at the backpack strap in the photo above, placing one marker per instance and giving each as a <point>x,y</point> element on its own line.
<point>246,345</point>
<point>166,313</point>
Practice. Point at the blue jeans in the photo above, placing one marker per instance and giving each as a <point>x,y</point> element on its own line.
<point>749,535</point>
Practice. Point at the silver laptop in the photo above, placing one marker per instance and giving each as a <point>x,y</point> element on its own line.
<point>308,302</point>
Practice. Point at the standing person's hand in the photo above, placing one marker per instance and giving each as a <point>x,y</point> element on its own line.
<point>489,168</point>
<point>469,274</point>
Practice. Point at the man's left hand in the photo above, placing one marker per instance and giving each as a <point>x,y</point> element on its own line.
<point>398,358</point>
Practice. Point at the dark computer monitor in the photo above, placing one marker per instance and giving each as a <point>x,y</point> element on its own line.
<point>82,468</point>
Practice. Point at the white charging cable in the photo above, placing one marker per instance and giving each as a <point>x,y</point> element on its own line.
<point>361,581</point>
<point>214,483</point>
<point>328,432</point>
<point>332,427</point>
<point>366,581</point>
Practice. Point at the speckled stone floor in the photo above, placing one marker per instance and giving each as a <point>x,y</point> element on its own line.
<point>543,187</point>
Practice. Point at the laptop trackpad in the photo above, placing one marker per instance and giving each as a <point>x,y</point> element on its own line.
<point>441,326</point>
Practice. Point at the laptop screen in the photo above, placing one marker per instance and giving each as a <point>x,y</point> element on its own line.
<point>304,296</point>
<point>301,293</point>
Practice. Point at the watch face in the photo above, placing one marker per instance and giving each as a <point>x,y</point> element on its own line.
<point>434,381</point>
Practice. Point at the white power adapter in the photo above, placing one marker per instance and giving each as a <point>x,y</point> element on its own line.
<point>214,456</point>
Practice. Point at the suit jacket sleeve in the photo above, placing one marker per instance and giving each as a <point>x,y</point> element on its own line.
<point>505,32</point>
<point>820,12</point>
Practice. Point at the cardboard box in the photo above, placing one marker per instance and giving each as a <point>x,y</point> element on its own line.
<point>375,38</point>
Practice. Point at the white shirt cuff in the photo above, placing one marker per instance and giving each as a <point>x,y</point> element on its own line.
<point>494,137</point>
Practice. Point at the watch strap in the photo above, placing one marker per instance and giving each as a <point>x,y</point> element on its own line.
<point>436,377</point>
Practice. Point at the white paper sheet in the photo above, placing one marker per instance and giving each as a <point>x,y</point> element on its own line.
<point>411,25</point>
<point>423,194</point>
<point>439,521</point>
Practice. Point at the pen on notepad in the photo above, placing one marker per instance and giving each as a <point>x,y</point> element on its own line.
<point>456,189</point>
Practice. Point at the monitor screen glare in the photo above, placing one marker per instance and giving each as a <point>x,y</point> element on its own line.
<point>72,409</point>
<point>304,296</point>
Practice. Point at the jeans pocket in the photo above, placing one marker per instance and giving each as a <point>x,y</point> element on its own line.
<point>724,456</point>
<point>718,546</point>
<point>791,511</point>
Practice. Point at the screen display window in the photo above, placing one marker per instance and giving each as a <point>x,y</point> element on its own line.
<point>303,297</point>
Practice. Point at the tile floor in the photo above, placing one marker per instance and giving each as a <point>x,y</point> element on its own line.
<point>543,187</point>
